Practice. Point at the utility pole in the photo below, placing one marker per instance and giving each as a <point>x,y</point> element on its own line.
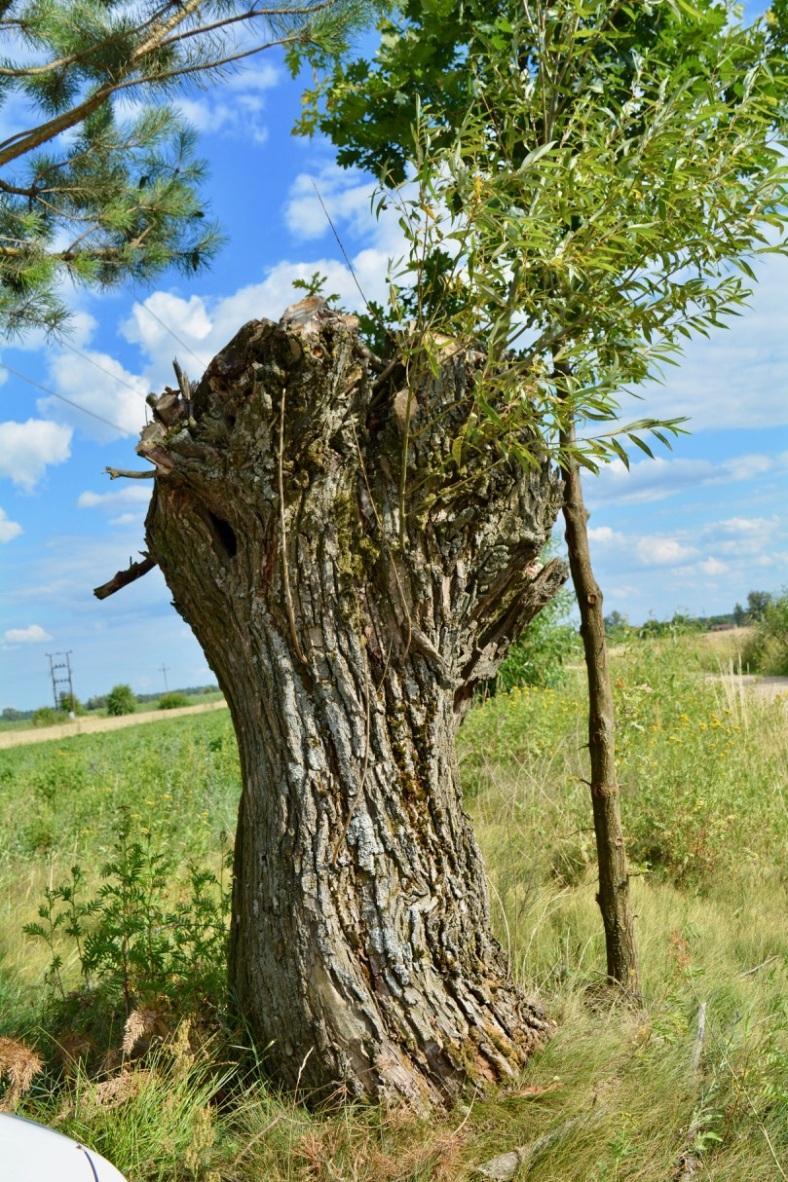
<point>62,679</point>
<point>164,670</point>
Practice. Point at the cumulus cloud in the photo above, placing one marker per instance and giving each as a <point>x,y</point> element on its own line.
<point>346,195</point>
<point>26,449</point>
<point>231,108</point>
<point>111,400</point>
<point>129,494</point>
<point>737,378</point>
<point>205,325</point>
<point>8,529</point>
<point>603,535</point>
<point>240,115</point>
<point>33,634</point>
<point>657,479</point>
<point>126,519</point>
<point>663,551</point>
<point>713,566</point>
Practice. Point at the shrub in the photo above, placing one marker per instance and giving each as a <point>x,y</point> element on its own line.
<point>121,700</point>
<point>766,651</point>
<point>148,932</point>
<point>48,716</point>
<point>538,657</point>
<point>173,701</point>
<point>71,704</point>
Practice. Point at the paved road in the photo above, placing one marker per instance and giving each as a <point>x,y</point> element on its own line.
<point>88,726</point>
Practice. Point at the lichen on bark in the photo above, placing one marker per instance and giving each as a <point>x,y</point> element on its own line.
<point>348,642</point>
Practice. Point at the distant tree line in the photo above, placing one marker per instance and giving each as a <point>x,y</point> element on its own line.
<point>121,699</point>
<point>759,603</point>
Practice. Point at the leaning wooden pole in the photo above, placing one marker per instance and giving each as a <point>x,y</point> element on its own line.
<point>614,895</point>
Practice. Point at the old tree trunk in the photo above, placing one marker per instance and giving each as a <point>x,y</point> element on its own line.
<point>348,642</point>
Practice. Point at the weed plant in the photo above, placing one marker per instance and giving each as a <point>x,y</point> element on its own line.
<point>703,773</point>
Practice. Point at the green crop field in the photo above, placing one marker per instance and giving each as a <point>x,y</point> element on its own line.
<point>703,772</point>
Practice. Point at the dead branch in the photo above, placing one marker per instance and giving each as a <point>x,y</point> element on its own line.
<point>117,473</point>
<point>134,571</point>
<point>757,968</point>
<point>504,1167</point>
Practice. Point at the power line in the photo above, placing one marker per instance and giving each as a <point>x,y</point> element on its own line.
<point>93,414</point>
<point>95,364</point>
<point>172,333</point>
<point>341,246</point>
<point>62,398</point>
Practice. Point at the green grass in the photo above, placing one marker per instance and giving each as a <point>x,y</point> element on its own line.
<point>703,773</point>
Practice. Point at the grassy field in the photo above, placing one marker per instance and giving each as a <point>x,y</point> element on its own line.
<point>703,770</point>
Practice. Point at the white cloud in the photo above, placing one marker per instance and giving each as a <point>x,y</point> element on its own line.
<point>654,480</point>
<point>260,76</point>
<point>663,551</point>
<point>240,115</point>
<point>235,107</point>
<point>129,494</point>
<point>34,634</point>
<point>603,535</point>
<point>230,108</point>
<point>126,519</point>
<point>113,398</point>
<point>738,377</point>
<point>743,527</point>
<point>741,536</point>
<point>206,325</point>
<point>8,529</point>
<point>27,448</point>
<point>346,195</point>
<point>713,566</point>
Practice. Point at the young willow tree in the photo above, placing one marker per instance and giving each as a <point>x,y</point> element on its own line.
<point>591,182</point>
<point>91,191</point>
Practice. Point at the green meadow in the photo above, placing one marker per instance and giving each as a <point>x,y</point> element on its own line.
<point>116,846</point>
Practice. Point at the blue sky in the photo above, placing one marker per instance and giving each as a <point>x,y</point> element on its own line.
<point>694,530</point>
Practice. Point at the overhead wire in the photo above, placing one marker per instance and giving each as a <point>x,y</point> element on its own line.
<point>172,333</point>
<point>102,369</point>
<point>95,364</point>
<point>62,398</point>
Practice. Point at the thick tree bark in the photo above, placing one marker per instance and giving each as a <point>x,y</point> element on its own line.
<point>613,896</point>
<point>348,642</point>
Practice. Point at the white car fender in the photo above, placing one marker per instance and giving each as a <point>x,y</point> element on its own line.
<point>30,1152</point>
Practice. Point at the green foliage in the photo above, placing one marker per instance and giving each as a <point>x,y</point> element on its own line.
<point>95,193</point>
<point>48,716</point>
<point>757,604</point>
<point>174,700</point>
<point>315,286</point>
<point>680,624</point>
<point>697,764</point>
<point>766,651</point>
<point>162,1127</point>
<point>71,704</point>
<point>144,934</point>
<point>539,656</point>
<point>121,700</point>
<point>590,184</point>
<point>616,624</point>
